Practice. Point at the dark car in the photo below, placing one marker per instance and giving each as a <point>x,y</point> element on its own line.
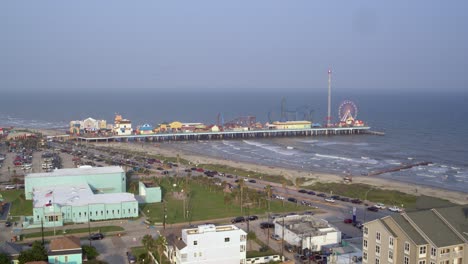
<point>321,195</point>
<point>131,258</point>
<point>302,191</point>
<point>356,201</point>
<point>265,225</point>
<point>292,200</point>
<point>348,221</point>
<point>252,218</point>
<point>336,197</point>
<point>96,236</point>
<point>311,193</point>
<point>252,181</point>
<point>345,199</point>
<point>229,176</point>
<point>7,224</point>
<point>238,219</point>
<point>373,209</point>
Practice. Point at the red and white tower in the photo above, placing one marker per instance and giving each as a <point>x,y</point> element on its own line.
<point>329,98</point>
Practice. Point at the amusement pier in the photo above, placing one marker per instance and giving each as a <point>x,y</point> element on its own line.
<point>185,136</point>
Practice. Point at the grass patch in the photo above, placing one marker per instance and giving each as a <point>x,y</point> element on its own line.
<point>256,254</point>
<point>19,205</point>
<point>207,203</point>
<point>376,195</point>
<point>246,173</point>
<point>101,229</point>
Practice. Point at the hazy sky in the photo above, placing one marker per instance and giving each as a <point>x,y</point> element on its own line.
<point>241,45</point>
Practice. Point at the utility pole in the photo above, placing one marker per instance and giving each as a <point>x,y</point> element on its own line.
<point>42,230</point>
<point>282,241</point>
<point>165,215</point>
<point>89,230</point>
<point>329,98</point>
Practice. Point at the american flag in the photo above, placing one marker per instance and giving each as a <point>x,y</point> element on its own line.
<point>49,193</point>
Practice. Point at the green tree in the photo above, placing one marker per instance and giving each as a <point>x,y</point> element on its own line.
<point>148,242</point>
<point>4,259</point>
<point>90,251</point>
<point>36,253</point>
<point>161,244</point>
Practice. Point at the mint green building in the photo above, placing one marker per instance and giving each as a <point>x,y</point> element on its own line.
<point>78,196</point>
<point>149,192</point>
<point>65,250</point>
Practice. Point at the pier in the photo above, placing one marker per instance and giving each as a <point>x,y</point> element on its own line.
<point>399,168</point>
<point>194,136</point>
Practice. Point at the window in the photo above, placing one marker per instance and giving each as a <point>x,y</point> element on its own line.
<point>56,259</point>
<point>366,230</point>
<point>226,239</point>
<point>79,214</point>
<point>199,254</point>
<point>66,259</point>
<point>377,250</point>
<point>97,213</point>
<point>433,252</point>
<point>406,260</point>
<point>195,254</point>
<point>445,251</point>
<point>128,210</point>
<point>364,242</point>
<point>422,262</point>
<point>195,242</point>
<point>85,214</point>
<point>407,248</point>
<point>390,254</point>
<point>90,213</point>
<point>112,211</point>
<point>422,250</point>
<point>377,235</point>
<point>242,248</point>
<point>364,255</point>
<point>134,210</point>
<point>118,211</point>
<point>107,211</point>
<point>377,261</point>
<point>243,238</point>
<point>390,241</point>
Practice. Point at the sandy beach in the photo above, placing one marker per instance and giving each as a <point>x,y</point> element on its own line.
<point>165,150</point>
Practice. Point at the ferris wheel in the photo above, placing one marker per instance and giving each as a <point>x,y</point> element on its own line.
<point>347,110</point>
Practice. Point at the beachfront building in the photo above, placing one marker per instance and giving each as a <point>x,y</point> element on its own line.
<point>307,232</point>
<point>290,125</point>
<point>208,244</point>
<point>122,127</point>
<point>149,192</point>
<point>78,196</point>
<point>145,129</point>
<point>65,250</point>
<point>436,236</point>
<point>89,125</point>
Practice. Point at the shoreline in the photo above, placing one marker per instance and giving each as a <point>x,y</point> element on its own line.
<point>409,188</point>
<point>291,174</point>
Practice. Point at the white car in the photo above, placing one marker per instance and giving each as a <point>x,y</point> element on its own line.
<point>276,237</point>
<point>380,205</point>
<point>395,209</point>
<point>10,187</point>
<point>330,200</point>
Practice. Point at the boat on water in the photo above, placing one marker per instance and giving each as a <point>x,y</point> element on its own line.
<point>289,147</point>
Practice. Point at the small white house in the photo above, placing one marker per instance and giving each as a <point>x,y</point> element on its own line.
<point>305,231</point>
<point>208,244</point>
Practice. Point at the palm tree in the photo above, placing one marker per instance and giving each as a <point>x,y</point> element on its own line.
<point>148,243</point>
<point>268,194</point>
<point>161,244</point>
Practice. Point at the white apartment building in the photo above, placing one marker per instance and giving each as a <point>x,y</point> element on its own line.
<point>208,244</point>
<point>305,231</point>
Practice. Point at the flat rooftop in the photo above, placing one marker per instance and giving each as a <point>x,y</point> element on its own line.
<point>77,172</point>
<point>150,184</point>
<point>209,228</point>
<point>75,195</point>
<point>306,225</point>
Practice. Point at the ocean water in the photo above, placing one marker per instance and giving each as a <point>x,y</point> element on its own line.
<point>419,127</point>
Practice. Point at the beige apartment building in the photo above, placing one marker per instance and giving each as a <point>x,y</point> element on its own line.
<point>436,236</point>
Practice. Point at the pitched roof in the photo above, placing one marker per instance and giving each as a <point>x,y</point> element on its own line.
<point>457,217</point>
<point>65,243</point>
<point>435,228</point>
<point>405,225</point>
<point>387,227</point>
<point>11,249</point>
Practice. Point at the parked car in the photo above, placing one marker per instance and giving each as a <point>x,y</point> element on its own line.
<point>372,209</point>
<point>330,200</point>
<point>292,200</point>
<point>10,187</point>
<point>302,191</point>
<point>321,195</point>
<point>252,218</point>
<point>238,219</point>
<point>311,193</point>
<point>7,224</point>
<point>380,205</point>
<point>344,199</point>
<point>356,201</point>
<point>265,225</point>
<point>131,258</point>
<point>96,236</point>
<point>275,237</point>
<point>252,181</point>
<point>348,221</point>
<point>289,248</point>
<point>395,209</point>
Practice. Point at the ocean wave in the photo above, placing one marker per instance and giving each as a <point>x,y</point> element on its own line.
<point>274,149</point>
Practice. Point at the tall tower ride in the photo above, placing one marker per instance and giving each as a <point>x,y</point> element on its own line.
<point>329,98</point>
